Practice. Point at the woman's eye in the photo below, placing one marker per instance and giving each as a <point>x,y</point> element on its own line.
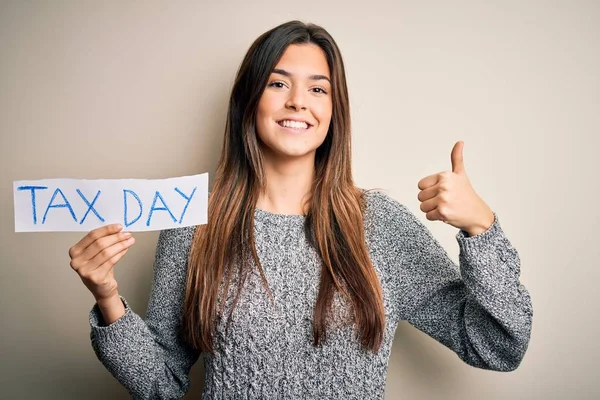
<point>276,84</point>
<point>320,90</point>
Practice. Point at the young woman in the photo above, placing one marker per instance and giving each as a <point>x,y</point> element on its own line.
<point>295,286</point>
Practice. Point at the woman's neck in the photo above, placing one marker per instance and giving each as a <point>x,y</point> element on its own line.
<point>288,186</point>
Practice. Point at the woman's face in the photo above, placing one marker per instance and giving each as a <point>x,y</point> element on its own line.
<point>295,109</point>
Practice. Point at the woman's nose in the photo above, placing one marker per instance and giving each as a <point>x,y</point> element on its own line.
<point>296,100</point>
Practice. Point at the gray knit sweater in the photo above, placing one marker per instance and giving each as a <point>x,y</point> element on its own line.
<point>478,309</point>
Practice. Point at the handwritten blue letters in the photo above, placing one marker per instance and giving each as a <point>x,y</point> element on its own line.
<point>130,200</point>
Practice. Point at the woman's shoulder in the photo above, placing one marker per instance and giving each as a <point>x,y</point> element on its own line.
<point>379,202</point>
<point>176,238</point>
<point>386,213</point>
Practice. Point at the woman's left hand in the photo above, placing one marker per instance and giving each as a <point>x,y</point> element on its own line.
<point>449,197</point>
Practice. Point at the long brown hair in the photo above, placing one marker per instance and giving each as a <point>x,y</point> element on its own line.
<point>334,223</point>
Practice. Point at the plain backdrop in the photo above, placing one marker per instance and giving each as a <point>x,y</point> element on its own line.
<point>124,89</point>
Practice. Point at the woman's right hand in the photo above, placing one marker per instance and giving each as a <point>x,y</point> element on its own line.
<point>94,258</point>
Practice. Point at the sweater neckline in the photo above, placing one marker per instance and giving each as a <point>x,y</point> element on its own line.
<point>278,218</point>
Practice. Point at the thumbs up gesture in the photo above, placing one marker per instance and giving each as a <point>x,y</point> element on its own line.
<point>449,197</point>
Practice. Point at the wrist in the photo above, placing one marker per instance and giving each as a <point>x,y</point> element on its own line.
<point>109,302</point>
<point>111,309</point>
<point>481,227</point>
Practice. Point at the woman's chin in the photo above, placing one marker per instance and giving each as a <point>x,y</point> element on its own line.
<point>290,154</point>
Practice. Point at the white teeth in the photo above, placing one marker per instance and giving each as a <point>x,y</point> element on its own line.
<point>294,124</point>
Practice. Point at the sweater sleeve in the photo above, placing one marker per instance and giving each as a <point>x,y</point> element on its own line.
<point>478,309</point>
<point>148,357</point>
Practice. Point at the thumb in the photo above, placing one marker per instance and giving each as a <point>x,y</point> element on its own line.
<point>456,157</point>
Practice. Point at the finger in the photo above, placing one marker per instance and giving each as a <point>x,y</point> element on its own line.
<point>102,243</point>
<point>429,205</point>
<point>440,213</point>
<point>105,269</point>
<point>103,247</point>
<point>434,215</point>
<point>429,193</point>
<point>109,252</point>
<point>456,158</point>
<point>92,236</point>
<point>428,181</point>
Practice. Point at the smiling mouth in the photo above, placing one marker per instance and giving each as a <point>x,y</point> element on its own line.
<point>297,125</point>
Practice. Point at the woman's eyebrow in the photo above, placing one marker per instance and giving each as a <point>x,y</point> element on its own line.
<point>289,75</point>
